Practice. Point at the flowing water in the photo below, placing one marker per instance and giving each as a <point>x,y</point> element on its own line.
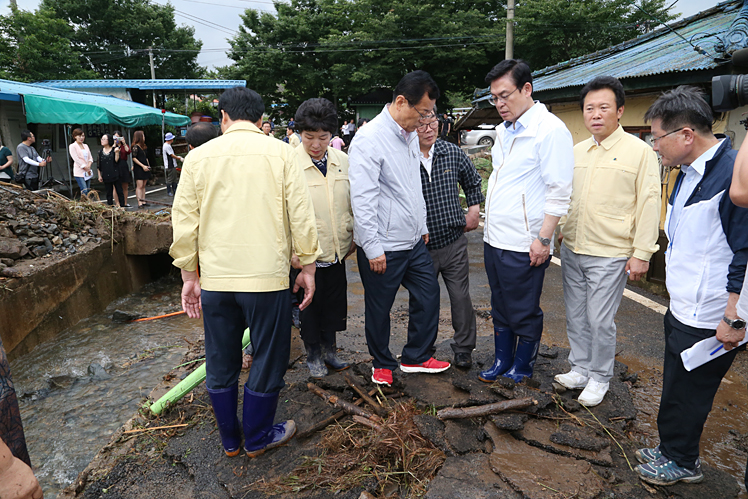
<point>77,389</point>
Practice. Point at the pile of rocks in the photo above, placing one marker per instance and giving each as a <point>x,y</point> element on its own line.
<point>33,226</point>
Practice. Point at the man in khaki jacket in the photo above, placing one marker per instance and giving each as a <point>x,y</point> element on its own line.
<point>611,232</point>
<point>243,203</point>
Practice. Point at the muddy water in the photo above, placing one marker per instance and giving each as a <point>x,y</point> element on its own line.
<point>80,387</point>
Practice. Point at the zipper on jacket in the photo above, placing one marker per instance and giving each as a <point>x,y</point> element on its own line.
<point>524,212</point>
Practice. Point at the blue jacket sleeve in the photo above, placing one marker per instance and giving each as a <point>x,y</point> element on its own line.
<point>735,225</point>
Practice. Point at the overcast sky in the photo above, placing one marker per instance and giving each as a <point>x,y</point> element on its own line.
<point>216,21</point>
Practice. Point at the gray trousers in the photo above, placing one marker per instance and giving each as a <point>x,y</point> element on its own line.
<point>452,263</point>
<point>593,288</point>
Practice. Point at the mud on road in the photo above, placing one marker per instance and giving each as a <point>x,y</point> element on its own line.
<point>551,450</point>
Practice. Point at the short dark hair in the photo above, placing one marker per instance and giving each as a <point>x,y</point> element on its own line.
<point>414,85</point>
<point>200,133</point>
<point>316,114</point>
<point>241,103</point>
<point>25,134</point>
<point>109,139</point>
<point>600,83</point>
<point>681,107</point>
<point>517,68</point>
<point>266,122</point>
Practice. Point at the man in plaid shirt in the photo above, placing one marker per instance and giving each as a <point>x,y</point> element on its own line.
<point>444,168</point>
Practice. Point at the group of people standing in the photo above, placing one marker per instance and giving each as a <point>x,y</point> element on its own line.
<point>394,201</point>
<point>112,163</point>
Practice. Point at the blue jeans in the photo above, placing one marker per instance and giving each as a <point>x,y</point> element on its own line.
<point>84,185</point>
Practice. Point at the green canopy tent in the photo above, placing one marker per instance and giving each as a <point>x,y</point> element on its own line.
<point>54,110</point>
<point>55,106</point>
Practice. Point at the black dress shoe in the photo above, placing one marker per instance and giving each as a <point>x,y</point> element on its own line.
<point>463,360</point>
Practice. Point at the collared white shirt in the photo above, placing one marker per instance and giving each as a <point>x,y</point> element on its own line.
<point>692,176</point>
<point>427,162</point>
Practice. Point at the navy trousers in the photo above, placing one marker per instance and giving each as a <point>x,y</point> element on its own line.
<point>415,271</point>
<point>225,316</point>
<point>687,397</point>
<point>515,291</point>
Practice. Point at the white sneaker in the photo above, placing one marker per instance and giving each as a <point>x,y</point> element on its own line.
<point>593,393</point>
<point>572,380</point>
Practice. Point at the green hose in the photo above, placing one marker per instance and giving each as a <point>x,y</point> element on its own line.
<point>187,384</point>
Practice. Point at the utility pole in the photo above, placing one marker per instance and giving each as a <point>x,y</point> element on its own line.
<point>153,73</point>
<point>509,53</point>
<point>13,6</point>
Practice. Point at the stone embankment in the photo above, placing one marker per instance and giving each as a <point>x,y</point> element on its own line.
<point>61,261</point>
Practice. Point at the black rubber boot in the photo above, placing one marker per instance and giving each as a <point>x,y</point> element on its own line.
<point>330,352</point>
<point>314,360</point>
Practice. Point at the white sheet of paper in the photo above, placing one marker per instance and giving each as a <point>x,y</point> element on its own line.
<point>704,351</point>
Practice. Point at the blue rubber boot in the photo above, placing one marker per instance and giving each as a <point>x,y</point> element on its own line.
<point>504,344</point>
<point>224,402</point>
<point>524,360</point>
<point>260,434</point>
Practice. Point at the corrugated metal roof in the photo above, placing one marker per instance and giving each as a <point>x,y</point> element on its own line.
<point>661,51</point>
<point>146,84</point>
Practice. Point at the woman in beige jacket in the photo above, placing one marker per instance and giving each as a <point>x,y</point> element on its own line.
<point>326,172</point>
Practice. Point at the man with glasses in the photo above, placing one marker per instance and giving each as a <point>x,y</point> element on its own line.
<point>29,161</point>
<point>390,228</point>
<point>611,233</point>
<point>444,169</point>
<point>706,260</point>
<point>528,192</point>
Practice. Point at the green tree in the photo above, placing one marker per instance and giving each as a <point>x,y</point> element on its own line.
<point>548,32</point>
<point>342,48</point>
<point>36,46</point>
<point>114,36</point>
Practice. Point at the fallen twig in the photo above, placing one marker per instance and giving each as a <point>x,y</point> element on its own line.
<point>342,404</point>
<point>139,430</point>
<point>611,436</point>
<point>381,411</point>
<point>368,422</point>
<point>328,421</point>
<point>485,410</point>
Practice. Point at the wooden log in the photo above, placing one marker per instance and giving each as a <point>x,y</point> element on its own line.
<point>328,421</point>
<point>485,410</point>
<point>381,411</point>
<point>367,422</point>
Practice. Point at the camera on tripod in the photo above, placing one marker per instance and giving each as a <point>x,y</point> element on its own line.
<point>46,144</point>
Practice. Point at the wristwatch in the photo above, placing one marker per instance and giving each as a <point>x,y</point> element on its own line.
<point>734,323</point>
<point>544,241</point>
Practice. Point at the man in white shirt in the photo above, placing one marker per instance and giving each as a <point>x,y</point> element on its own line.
<point>170,164</point>
<point>706,258</point>
<point>528,192</point>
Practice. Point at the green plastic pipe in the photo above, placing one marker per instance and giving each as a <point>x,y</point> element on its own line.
<point>187,384</point>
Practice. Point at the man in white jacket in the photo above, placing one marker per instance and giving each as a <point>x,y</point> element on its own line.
<point>528,192</point>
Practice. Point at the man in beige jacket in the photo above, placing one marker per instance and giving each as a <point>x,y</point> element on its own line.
<point>611,232</point>
<point>243,203</point>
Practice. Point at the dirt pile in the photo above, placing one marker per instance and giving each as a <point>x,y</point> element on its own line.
<point>45,225</point>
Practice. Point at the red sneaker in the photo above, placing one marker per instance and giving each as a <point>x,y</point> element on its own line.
<point>430,366</point>
<point>381,376</point>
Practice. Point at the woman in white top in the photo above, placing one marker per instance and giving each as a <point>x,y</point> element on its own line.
<point>82,161</point>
